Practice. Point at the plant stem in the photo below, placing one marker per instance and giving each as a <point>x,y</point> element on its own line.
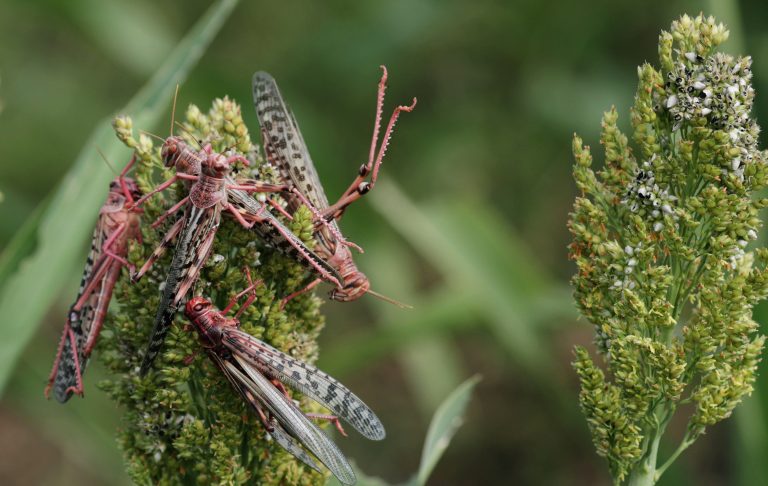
<point>644,473</point>
<point>686,442</point>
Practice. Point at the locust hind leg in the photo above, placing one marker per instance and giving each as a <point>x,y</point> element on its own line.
<point>306,289</point>
<point>66,375</point>
<point>328,418</point>
<point>160,250</point>
<point>359,186</point>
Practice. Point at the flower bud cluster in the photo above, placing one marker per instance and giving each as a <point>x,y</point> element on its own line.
<point>647,198</point>
<point>661,243</point>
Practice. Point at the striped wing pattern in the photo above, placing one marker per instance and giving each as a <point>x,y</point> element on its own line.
<point>307,379</point>
<point>294,421</point>
<point>192,249</point>
<point>283,143</point>
<point>236,379</point>
<point>79,324</point>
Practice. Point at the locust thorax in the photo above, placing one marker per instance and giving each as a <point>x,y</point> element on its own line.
<point>216,166</point>
<point>178,154</point>
<point>211,187</point>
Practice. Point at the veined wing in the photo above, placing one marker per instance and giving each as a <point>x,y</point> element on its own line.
<point>283,143</point>
<point>192,248</point>
<point>79,324</point>
<point>307,379</point>
<point>278,433</point>
<point>294,421</point>
<point>275,233</point>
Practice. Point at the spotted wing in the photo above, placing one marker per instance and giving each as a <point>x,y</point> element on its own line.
<point>283,143</point>
<point>307,379</point>
<point>79,324</point>
<point>192,249</point>
<point>293,420</point>
<point>238,380</point>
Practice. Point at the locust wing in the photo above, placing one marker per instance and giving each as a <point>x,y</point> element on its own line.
<point>79,324</point>
<point>306,379</point>
<point>283,143</point>
<point>192,248</point>
<point>295,423</point>
<point>238,380</point>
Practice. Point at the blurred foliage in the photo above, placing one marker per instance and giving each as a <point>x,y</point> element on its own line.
<point>472,233</point>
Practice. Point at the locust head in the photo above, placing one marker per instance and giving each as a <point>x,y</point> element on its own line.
<point>171,150</point>
<point>203,315</point>
<point>355,285</point>
<point>197,307</point>
<point>121,190</point>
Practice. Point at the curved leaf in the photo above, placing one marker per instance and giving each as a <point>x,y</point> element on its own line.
<point>445,423</point>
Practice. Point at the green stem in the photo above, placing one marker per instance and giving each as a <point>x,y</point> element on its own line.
<point>687,441</point>
<point>644,473</point>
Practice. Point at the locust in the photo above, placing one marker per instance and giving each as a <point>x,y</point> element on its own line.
<point>176,153</point>
<point>194,232</point>
<point>258,371</point>
<point>286,150</point>
<point>117,225</point>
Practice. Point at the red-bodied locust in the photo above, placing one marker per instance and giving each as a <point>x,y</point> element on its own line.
<point>184,159</point>
<point>194,232</point>
<point>285,149</point>
<point>118,223</point>
<point>258,371</point>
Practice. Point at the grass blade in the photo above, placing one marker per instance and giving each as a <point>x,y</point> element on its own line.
<point>445,423</point>
<point>25,295</point>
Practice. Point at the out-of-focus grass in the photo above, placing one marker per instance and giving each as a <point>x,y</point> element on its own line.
<point>33,281</point>
<point>472,234</point>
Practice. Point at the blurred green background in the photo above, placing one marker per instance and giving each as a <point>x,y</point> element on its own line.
<point>467,224</point>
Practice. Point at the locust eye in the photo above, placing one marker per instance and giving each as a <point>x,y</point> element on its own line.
<point>198,307</point>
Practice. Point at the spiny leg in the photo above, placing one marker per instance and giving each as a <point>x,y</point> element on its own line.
<point>161,248</point>
<point>57,361</point>
<point>329,418</point>
<point>172,210</point>
<point>359,186</point>
<point>306,289</point>
<point>165,185</point>
<point>78,388</point>
<point>250,289</point>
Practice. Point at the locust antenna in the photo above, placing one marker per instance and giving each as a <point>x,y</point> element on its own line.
<point>191,135</point>
<point>389,300</point>
<point>152,135</point>
<point>104,158</point>
<point>173,109</point>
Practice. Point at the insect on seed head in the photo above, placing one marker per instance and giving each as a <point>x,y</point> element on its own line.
<point>196,307</point>
<point>355,285</point>
<point>216,165</point>
<point>171,150</point>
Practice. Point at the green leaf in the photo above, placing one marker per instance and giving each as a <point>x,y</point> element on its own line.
<point>444,425</point>
<point>26,294</point>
